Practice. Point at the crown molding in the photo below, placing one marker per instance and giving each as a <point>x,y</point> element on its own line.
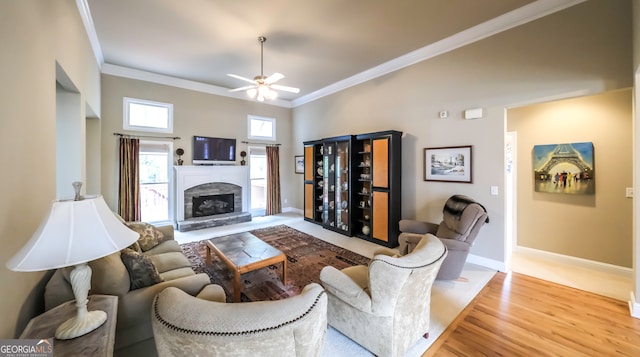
<point>87,20</point>
<point>131,73</point>
<point>522,15</point>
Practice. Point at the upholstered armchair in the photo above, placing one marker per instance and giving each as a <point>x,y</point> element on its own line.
<point>461,222</point>
<point>184,325</point>
<point>385,306</point>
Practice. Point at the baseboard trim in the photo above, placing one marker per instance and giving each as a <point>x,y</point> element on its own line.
<point>292,209</point>
<point>487,263</point>
<point>575,261</point>
<point>634,306</point>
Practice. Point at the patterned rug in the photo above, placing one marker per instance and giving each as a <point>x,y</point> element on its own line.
<point>306,256</point>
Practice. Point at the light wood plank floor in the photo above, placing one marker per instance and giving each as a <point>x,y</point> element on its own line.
<point>518,315</point>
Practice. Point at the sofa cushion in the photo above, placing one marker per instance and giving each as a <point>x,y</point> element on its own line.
<point>169,261</point>
<point>165,247</point>
<point>142,271</point>
<point>109,276</point>
<point>150,236</point>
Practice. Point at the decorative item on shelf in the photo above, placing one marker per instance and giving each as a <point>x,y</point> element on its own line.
<point>331,205</point>
<point>322,150</point>
<point>362,203</point>
<point>366,230</point>
<point>320,171</point>
<point>329,150</point>
<point>68,236</point>
<point>366,216</point>
<point>344,204</point>
<point>345,186</point>
<point>243,154</point>
<point>180,152</point>
<point>321,183</point>
<point>331,168</point>
<point>367,147</point>
<point>333,188</point>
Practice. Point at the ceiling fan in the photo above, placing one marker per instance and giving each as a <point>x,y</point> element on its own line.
<point>263,87</point>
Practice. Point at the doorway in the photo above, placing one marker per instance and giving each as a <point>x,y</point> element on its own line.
<point>155,181</point>
<point>258,177</point>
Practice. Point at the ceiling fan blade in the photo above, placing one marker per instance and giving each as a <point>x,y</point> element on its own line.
<point>274,78</point>
<point>242,88</point>
<point>241,78</point>
<point>285,88</point>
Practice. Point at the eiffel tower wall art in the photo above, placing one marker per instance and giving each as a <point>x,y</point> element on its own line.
<point>564,168</point>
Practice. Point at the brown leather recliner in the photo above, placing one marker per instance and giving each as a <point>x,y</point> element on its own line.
<point>461,222</point>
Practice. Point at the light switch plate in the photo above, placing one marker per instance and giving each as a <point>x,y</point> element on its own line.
<point>494,190</point>
<point>629,192</point>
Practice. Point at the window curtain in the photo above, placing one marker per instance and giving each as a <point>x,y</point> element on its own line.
<point>273,181</point>
<point>129,185</point>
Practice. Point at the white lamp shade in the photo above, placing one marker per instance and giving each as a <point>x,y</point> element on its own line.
<point>74,232</point>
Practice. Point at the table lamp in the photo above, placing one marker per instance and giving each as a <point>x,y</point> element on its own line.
<point>75,232</point>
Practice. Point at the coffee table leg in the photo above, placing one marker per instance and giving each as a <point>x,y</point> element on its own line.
<point>208,255</point>
<point>236,286</point>
<point>284,271</point>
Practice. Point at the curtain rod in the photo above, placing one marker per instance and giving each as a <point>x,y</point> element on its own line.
<point>147,136</point>
<point>267,144</point>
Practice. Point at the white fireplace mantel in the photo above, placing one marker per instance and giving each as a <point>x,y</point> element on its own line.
<point>190,176</point>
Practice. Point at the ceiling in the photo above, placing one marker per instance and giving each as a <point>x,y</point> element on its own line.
<point>315,44</point>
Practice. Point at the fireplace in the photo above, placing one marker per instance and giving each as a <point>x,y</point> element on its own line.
<point>210,205</point>
<point>211,196</point>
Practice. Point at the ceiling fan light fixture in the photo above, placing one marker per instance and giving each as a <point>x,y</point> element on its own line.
<point>261,89</point>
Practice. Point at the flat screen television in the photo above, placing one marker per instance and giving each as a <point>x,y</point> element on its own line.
<point>213,151</point>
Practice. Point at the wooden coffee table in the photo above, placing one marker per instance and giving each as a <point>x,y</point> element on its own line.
<point>244,252</point>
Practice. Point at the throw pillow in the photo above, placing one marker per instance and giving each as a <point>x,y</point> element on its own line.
<point>135,247</point>
<point>142,271</point>
<point>150,236</point>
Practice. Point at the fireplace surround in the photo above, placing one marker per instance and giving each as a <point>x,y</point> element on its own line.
<point>224,181</point>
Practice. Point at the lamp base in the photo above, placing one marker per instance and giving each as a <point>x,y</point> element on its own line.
<point>78,326</point>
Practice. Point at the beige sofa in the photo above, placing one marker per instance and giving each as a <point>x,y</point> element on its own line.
<point>134,334</point>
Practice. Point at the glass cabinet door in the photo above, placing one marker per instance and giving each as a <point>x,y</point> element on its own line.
<point>342,186</point>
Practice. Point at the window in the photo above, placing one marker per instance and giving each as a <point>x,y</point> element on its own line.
<point>262,128</point>
<point>145,115</point>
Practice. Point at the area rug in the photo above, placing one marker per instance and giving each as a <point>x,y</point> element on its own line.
<point>448,298</point>
<point>306,256</point>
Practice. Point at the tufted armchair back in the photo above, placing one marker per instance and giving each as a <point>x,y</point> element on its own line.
<point>184,325</point>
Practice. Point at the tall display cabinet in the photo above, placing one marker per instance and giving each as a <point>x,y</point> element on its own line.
<point>379,187</point>
<point>328,194</point>
<point>352,185</point>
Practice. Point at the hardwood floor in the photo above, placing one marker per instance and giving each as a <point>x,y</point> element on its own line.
<point>517,315</point>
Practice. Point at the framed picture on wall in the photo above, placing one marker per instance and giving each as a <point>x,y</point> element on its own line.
<point>299,164</point>
<point>448,164</point>
<point>564,168</point>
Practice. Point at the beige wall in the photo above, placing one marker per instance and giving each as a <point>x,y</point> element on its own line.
<point>34,35</point>
<point>194,113</point>
<point>584,49</point>
<point>595,227</point>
